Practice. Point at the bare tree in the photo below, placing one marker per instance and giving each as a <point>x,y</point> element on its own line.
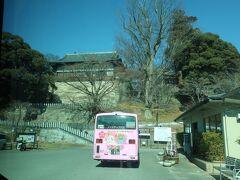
<point>146,26</point>
<point>95,81</point>
<point>16,114</point>
<point>180,36</point>
<point>197,89</point>
<point>224,83</point>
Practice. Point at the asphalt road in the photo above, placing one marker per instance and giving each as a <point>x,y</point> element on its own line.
<point>77,163</point>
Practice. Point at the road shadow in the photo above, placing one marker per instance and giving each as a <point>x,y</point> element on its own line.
<point>117,165</point>
<point>3,177</point>
<point>217,177</point>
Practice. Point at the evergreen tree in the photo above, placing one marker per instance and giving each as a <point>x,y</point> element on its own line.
<point>199,59</point>
<point>25,74</point>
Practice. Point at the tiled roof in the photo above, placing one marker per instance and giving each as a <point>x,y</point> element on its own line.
<point>229,97</point>
<point>98,57</point>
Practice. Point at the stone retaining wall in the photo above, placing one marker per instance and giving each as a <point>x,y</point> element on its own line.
<point>58,135</point>
<point>206,166</point>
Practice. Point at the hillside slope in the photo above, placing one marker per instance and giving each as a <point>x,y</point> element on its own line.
<point>67,115</point>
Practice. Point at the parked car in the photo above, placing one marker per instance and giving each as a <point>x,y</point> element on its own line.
<point>3,141</point>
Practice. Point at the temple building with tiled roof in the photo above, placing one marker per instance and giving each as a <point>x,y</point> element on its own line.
<point>107,62</point>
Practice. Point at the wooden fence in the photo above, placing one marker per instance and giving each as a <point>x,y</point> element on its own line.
<point>82,131</point>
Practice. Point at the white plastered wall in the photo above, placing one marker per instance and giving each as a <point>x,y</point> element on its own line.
<point>231,133</point>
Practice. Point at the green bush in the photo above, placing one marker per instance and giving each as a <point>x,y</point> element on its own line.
<point>209,146</point>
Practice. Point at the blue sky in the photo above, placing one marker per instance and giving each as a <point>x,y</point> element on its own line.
<point>67,26</point>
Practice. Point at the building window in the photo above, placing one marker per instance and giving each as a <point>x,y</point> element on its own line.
<point>218,123</point>
<point>213,123</point>
<point>207,125</point>
<point>187,128</point>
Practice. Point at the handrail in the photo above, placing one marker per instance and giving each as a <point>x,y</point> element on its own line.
<point>82,131</point>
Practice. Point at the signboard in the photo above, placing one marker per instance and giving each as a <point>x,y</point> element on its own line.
<point>162,134</point>
<point>28,137</point>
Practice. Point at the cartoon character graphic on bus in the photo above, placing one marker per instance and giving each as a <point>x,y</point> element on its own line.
<point>114,149</point>
<point>121,138</point>
<point>115,142</point>
<point>109,139</point>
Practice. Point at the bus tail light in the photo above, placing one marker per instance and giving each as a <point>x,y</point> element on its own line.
<point>131,141</point>
<point>99,140</point>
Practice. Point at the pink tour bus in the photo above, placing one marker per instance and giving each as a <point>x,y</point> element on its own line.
<point>116,137</point>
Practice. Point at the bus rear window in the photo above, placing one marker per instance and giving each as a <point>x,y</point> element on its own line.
<point>116,122</point>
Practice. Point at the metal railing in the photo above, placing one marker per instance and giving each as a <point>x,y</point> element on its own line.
<point>72,106</point>
<point>82,131</point>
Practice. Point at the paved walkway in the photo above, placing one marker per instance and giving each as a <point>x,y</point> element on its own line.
<point>184,170</point>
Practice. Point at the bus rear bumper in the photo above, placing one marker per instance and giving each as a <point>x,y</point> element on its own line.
<point>125,159</point>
